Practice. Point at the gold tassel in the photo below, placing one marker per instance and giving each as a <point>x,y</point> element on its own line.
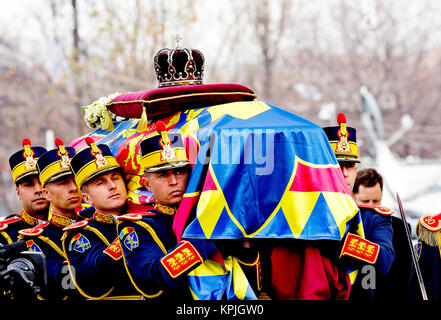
<point>431,238</point>
<point>108,123</point>
<point>143,125</point>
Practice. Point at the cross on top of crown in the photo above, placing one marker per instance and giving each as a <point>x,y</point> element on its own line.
<point>178,40</point>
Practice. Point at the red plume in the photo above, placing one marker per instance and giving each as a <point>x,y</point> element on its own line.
<point>89,140</point>
<point>160,126</point>
<point>26,142</point>
<point>58,142</point>
<point>341,118</point>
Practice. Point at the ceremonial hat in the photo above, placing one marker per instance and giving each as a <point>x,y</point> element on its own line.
<point>163,151</point>
<point>23,163</point>
<point>92,161</point>
<point>54,164</point>
<point>343,140</point>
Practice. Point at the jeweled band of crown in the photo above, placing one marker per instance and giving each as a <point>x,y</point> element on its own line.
<point>179,66</point>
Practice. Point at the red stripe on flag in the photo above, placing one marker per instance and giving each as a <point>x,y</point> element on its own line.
<point>181,217</point>
<point>209,183</point>
<point>308,179</point>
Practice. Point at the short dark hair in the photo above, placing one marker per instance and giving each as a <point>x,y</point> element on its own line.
<point>368,178</point>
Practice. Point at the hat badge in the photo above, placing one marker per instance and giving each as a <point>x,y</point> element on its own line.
<point>343,144</point>
<point>100,160</point>
<point>28,154</point>
<point>62,153</point>
<point>167,154</point>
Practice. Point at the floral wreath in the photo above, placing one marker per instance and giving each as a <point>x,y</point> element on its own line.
<point>97,115</point>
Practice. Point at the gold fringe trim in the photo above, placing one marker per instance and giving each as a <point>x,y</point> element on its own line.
<point>430,238</point>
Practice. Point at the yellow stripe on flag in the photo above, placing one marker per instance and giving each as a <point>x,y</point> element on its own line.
<point>340,204</point>
<point>297,207</point>
<point>242,110</point>
<point>209,209</point>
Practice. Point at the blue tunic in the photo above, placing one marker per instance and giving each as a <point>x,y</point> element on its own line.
<point>46,238</point>
<point>153,258</point>
<point>378,229</point>
<point>10,227</point>
<point>429,261</point>
<point>95,259</point>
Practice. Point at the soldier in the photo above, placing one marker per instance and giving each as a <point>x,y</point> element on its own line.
<point>60,189</point>
<point>368,187</point>
<point>368,190</point>
<point>156,263</point>
<point>427,250</point>
<point>92,247</point>
<point>377,223</point>
<point>23,166</point>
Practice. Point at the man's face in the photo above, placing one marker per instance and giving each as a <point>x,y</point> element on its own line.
<point>30,192</point>
<point>349,170</point>
<point>168,186</point>
<point>107,192</point>
<point>63,194</point>
<point>370,196</point>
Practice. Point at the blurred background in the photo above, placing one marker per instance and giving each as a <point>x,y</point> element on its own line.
<point>378,61</point>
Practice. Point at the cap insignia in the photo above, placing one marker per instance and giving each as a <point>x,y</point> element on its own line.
<point>30,161</point>
<point>62,153</point>
<point>100,160</point>
<point>343,144</point>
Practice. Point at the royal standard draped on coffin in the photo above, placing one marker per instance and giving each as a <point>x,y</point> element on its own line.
<point>258,171</point>
<point>268,174</point>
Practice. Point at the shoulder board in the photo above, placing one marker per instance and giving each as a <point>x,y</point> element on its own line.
<point>385,211</point>
<point>136,216</point>
<point>77,225</point>
<point>430,223</point>
<point>35,231</point>
<point>4,224</point>
<point>427,230</point>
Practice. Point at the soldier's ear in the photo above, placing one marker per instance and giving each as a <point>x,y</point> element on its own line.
<point>146,183</point>
<point>18,193</point>
<point>86,198</point>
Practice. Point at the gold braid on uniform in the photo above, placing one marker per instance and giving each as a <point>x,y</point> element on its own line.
<point>169,210</point>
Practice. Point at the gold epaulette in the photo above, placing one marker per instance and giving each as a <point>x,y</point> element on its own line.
<point>427,230</point>
<point>5,223</point>
<point>77,225</point>
<point>35,231</point>
<point>385,211</point>
<point>135,216</point>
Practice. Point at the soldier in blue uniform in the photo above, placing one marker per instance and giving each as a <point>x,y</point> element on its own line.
<point>60,188</point>
<point>428,251</point>
<point>156,263</point>
<point>368,190</point>
<point>23,166</point>
<point>92,247</point>
<point>377,222</point>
